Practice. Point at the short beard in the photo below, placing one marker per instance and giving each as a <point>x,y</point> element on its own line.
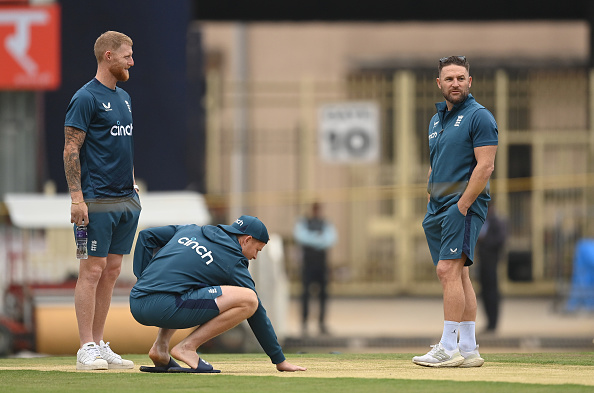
<point>119,73</point>
<point>463,95</point>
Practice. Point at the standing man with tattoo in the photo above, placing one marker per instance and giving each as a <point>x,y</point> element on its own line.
<point>98,162</point>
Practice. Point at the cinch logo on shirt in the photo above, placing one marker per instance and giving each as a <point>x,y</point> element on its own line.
<point>120,130</point>
<point>185,241</point>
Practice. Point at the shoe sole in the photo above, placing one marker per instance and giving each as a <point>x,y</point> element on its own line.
<point>91,367</point>
<point>455,362</point>
<point>120,366</point>
<point>474,362</point>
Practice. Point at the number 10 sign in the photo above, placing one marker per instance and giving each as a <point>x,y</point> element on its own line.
<point>349,132</point>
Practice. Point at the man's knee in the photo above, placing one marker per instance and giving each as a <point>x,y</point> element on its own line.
<point>248,300</point>
<point>112,272</point>
<point>91,269</point>
<point>238,297</point>
<point>450,269</point>
<point>251,301</point>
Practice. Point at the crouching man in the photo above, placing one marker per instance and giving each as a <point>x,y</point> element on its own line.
<point>197,276</point>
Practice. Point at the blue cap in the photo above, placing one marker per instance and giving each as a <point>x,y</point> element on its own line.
<point>248,225</point>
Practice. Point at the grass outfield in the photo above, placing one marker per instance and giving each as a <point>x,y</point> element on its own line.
<point>368,373</point>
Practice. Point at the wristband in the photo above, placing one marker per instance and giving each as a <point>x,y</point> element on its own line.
<point>136,187</point>
<point>77,203</point>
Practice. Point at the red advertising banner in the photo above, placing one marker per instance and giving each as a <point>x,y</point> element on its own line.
<point>29,47</point>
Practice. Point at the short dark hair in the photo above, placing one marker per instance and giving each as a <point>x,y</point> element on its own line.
<point>456,60</point>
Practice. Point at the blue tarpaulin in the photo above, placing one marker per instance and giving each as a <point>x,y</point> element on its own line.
<point>582,285</point>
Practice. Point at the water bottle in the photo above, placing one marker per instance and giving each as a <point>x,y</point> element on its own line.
<point>81,242</point>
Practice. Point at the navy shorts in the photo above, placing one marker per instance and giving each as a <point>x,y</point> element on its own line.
<point>174,311</point>
<point>450,234</point>
<point>112,225</point>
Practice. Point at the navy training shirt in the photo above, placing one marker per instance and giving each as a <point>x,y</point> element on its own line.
<point>453,135</point>
<point>192,256</point>
<point>107,154</point>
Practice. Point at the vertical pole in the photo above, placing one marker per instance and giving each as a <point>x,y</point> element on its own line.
<point>404,128</point>
<point>214,153</point>
<point>590,17</point>
<point>590,190</point>
<point>307,143</point>
<point>538,206</point>
<point>238,159</point>
<point>502,159</point>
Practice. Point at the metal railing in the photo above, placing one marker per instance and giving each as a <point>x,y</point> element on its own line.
<point>544,166</point>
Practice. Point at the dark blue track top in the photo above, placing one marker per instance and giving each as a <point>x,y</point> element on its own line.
<point>191,256</point>
<point>453,135</point>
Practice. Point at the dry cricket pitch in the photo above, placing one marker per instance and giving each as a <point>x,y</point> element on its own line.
<point>383,368</point>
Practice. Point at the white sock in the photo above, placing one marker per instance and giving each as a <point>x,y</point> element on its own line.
<point>467,336</point>
<point>449,338</point>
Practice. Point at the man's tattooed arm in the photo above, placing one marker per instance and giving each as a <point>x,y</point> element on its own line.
<point>74,139</point>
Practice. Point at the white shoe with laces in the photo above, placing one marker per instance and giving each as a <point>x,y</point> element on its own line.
<point>89,358</point>
<point>438,356</point>
<point>472,358</point>
<point>114,360</point>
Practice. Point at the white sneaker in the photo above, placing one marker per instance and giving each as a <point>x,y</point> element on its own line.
<point>113,359</point>
<point>89,358</point>
<point>472,358</point>
<point>438,356</point>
